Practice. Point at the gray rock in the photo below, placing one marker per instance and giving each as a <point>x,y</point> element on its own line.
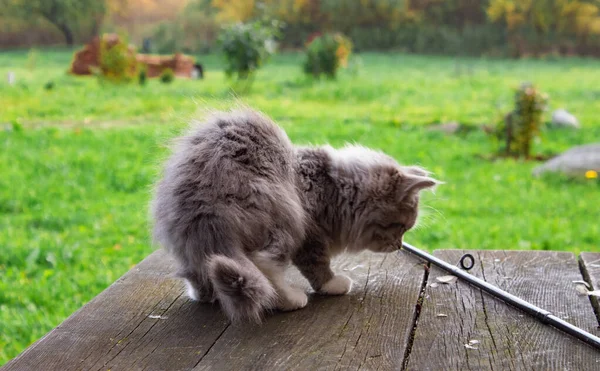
<point>561,118</point>
<point>574,162</point>
<point>451,127</point>
<point>11,78</point>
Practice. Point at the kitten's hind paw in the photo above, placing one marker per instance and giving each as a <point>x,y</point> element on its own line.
<point>292,299</point>
<point>202,295</point>
<point>338,285</point>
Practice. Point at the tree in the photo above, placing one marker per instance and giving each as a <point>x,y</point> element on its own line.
<point>235,10</point>
<point>66,15</point>
<point>581,19</point>
<point>566,18</point>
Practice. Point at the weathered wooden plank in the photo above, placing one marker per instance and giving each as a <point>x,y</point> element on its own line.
<point>454,314</point>
<point>367,329</point>
<point>142,320</point>
<point>590,266</point>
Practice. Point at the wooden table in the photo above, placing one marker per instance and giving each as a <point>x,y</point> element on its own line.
<point>396,317</point>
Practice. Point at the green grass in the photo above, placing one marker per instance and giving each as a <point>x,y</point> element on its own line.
<point>77,162</point>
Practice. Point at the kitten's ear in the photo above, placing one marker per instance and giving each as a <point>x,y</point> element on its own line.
<point>415,170</point>
<point>412,184</point>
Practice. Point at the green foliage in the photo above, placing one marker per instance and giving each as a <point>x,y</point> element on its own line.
<point>167,38</point>
<point>522,125</point>
<point>117,61</point>
<point>193,31</point>
<point>49,85</point>
<point>167,76</point>
<point>247,46</point>
<point>326,53</point>
<point>142,76</point>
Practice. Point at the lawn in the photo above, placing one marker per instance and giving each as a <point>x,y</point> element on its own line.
<point>78,161</point>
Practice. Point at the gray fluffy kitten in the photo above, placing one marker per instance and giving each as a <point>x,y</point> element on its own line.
<point>238,202</point>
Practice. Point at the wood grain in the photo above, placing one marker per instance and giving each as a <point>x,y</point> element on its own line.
<point>454,314</point>
<point>590,267</point>
<point>142,322</point>
<point>117,331</point>
<point>367,329</point>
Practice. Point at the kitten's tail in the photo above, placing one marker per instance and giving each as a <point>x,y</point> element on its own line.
<point>242,289</point>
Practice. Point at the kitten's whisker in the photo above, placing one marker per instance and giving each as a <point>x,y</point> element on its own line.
<point>436,211</point>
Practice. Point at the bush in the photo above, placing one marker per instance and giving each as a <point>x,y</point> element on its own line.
<point>167,38</point>
<point>117,60</point>
<point>247,46</point>
<point>49,85</point>
<point>193,31</point>
<point>326,53</point>
<point>142,77</point>
<point>520,126</point>
<point>167,76</point>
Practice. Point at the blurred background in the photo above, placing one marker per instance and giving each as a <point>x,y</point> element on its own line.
<point>499,98</point>
<point>457,27</point>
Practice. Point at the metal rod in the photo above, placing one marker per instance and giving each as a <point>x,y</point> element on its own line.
<point>539,313</point>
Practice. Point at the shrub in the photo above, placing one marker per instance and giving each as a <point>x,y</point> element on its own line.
<point>49,85</point>
<point>247,46</point>
<point>167,38</point>
<point>326,53</point>
<point>142,77</point>
<point>520,126</point>
<point>167,76</point>
<point>117,60</point>
<point>194,30</point>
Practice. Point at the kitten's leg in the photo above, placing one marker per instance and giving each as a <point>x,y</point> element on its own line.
<point>289,298</point>
<point>314,262</point>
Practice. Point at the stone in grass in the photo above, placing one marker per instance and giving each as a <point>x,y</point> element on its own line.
<point>575,162</point>
<point>453,127</point>
<point>11,78</point>
<point>561,118</point>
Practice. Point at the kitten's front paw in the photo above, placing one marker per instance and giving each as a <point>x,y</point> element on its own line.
<point>292,299</point>
<point>338,285</point>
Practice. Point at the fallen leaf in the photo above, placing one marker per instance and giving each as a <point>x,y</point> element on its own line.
<point>446,279</point>
<point>441,315</point>
<point>581,289</point>
<point>473,342</point>
<point>435,284</point>
<point>583,283</point>
<point>594,293</point>
<point>154,316</point>
<point>470,347</point>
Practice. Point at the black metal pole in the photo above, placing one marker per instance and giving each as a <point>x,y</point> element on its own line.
<point>539,313</point>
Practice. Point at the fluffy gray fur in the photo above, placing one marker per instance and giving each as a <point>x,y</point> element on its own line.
<point>238,203</point>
